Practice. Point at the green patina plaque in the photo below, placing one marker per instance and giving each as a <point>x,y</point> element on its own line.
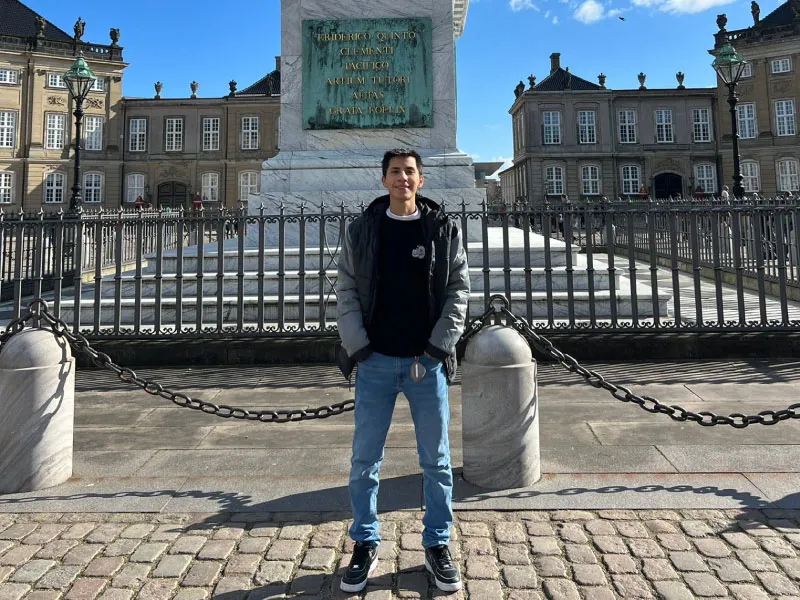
<point>367,74</point>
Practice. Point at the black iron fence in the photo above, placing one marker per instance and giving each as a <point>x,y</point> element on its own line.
<point>614,266</point>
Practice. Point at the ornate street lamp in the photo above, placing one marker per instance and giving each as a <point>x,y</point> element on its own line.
<point>79,79</point>
<point>730,65</point>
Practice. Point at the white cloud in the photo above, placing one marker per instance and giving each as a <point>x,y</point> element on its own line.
<point>517,5</point>
<point>591,11</point>
<point>555,20</point>
<point>682,6</point>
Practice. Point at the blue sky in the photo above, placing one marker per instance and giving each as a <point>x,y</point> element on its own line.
<point>177,41</point>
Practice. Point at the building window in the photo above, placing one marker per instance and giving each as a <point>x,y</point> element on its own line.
<point>554,180</point>
<point>746,120</point>
<point>8,123</point>
<point>6,187</point>
<point>249,133</point>
<point>781,65</point>
<point>9,76</point>
<point>134,187</point>
<point>210,187</point>
<point>705,176</point>
<point>701,120</point>
<point>54,131</point>
<point>93,187</point>
<point>99,85</point>
<point>590,180</point>
<point>551,122</point>
<point>211,133</point>
<point>664,133</point>
<point>751,176</point>
<point>627,127</point>
<point>93,138</point>
<point>55,80</point>
<point>587,129</point>
<point>784,117</point>
<point>248,184</point>
<point>630,180</point>
<point>54,188</point>
<point>174,135</point>
<point>788,175</point>
<point>747,71</point>
<point>138,135</point>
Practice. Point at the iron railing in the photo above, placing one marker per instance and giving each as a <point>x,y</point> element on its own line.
<point>618,266</point>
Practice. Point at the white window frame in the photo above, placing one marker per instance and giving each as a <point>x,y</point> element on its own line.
<point>788,175</point>
<point>742,119</point>
<point>628,127</point>
<point>93,183</point>
<point>211,133</point>
<point>554,180</point>
<point>701,125</point>
<point>747,71</point>
<point>587,127</point>
<point>665,133</point>
<point>631,185</point>
<point>137,134</point>
<point>6,187</point>
<point>785,124</point>
<point>56,80</point>
<point>248,132</point>
<point>173,134</point>
<point>551,127</point>
<point>248,187</point>
<point>593,180</point>
<point>55,125</point>
<point>55,184</point>
<point>781,65</point>
<point>705,175</point>
<point>9,76</point>
<point>209,186</point>
<point>99,85</point>
<point>751,176</point>
<point>8,128</point>
<point>134,186</point>
<point>93,133</point>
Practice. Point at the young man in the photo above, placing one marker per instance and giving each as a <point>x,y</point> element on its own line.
<point>403,289</point>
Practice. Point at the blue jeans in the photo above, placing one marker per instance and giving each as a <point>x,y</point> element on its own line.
<point>378,381</point>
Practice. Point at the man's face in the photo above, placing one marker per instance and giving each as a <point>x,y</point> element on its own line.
<point>402,178</point>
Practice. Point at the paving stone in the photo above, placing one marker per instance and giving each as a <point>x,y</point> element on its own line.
<point>4,573</point>
<point>388,550</point>
<point>232,588</point>
<point>658,569</point>
<point>307,582</point>
<point>790,566</point>
<point>242,564</point>
<point>510,533</point>
<point>712,547</point>
<point>757,529</point>
<point>600,527</point>
<point>157,589</point>
<point>482,567</point>
<point>86,588</point>
<point>632,529</point>
<point>619,563</point>
<point>411,541</point>
<point>580,554</point>
<point>262,530</point>
<point>104,566</point>
<point>172,565</point>
<point>748,592</point>
<point>32,571</point>
<point>122,547</point>
<point>515,595</point>
<point>413,585</point>
<point>672,590</point>
<point>295,532</point>
<point>273,571</point>
<point>82,554</point>
<point>589,575</point>
<point>657,526</point>
<point>105,533</point>
<point>597,593</point>
<point>704,584</point>
<point>189,544</point>
<point>520,577</point>
<point>281,550</point>
<point>537,528</point>
<point>117,594</point>
<point>676,542</point>
<point>15,591</point>
<point>411,561</point>
<point>59,578</point>
<point>513,554</point>
<point>19,555</point>
<point>550,566</point>
<point>57,549</point>
<point>730,570</point>
<point>645,548</point>
<point>387,530</point>
<point>325,539</point>
<point>484,589</point>
<point>688,561</point>
<point>149,552</point>
<point>18,532</point>
<point>5,545</point>
<point>45,533</point>
<point>319,559</point>
<point>253,545</point>
<point>618,515</point>
<point>200,594</point>
<point>474,529</point>
<point>555,589</point>
<point>202,574</point>
<point>573,515</point>
<point>544,546</point>
<point>137,531</point>
<point>44,595</point>
<point>166,533</point>
<point>78,531</point>
<point>756,560</point>
<point>778,584</point>
<point>573,532</point>
<point>131,577</point>
<point>631,586</point>
<point>477,546</point>
<point>773,546</point>
<point>740,540</point>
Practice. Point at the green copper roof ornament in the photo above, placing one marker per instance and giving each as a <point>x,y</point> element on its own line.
<point>79,78</point>
<point>729,64</point>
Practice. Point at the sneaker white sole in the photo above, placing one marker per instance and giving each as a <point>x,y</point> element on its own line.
<point>445,587</point>
<point>357,587</point>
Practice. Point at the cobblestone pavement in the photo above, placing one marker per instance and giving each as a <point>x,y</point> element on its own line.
<point>564,555</point>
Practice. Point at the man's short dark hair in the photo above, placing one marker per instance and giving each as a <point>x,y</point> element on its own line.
<point>401,153</point>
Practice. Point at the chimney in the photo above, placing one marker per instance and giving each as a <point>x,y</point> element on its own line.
<point>277,63</point>
<point>555,62</point>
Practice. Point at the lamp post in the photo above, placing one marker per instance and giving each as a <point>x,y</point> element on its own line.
<point>79,79</point>
<point>729,65</point>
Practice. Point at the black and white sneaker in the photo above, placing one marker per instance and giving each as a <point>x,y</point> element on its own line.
<point>439,562</point>
<point>364,561</point>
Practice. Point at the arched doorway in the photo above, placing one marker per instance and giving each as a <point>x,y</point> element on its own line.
<point>172,194</point>
<point>667,185</point>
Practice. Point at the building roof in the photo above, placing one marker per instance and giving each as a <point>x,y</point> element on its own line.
<point>269,85</point>
<point>561,79</point>
<point>486,169</point>
<point>19,20</point>
<point>783,15</point>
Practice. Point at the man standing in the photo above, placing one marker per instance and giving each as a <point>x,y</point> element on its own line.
<point>403,290</point>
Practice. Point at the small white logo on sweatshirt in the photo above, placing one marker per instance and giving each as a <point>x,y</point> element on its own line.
<point>418,252</point>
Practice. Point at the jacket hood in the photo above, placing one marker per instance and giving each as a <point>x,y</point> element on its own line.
<point>425,205</point>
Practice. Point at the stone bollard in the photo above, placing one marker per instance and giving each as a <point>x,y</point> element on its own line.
<point>37,404</point>
<point>500,410</point>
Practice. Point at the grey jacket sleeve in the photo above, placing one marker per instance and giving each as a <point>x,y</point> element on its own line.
<point>350,319</point>
<point>448,329</point>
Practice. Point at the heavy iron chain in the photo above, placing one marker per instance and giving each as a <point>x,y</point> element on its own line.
<point>499,306</point>
<point>38,311</point>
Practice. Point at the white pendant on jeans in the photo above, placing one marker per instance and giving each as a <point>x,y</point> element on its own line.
<point>417,371</point>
